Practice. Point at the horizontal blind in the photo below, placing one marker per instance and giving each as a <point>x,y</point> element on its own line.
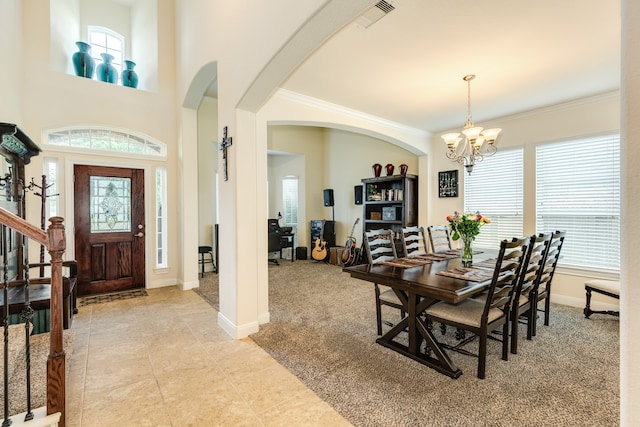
<point>495,189</point>
<point>290,202</point>
<point>578,191</point>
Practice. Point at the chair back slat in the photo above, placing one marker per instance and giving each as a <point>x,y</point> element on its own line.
<point>414,242</point>
<point>379,245</point>
<point>439,238</point>
<point>548,267</point>
<point>511,256</point>
<point>538,250</point>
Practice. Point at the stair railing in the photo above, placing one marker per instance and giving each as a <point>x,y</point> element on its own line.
<point>53,239</point>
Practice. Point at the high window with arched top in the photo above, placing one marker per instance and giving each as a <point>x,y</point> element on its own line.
<point>97,138</point>
<point>104,40</point>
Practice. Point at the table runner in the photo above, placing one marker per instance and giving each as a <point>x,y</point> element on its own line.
<point>407,262</point>
<point>468,273</point>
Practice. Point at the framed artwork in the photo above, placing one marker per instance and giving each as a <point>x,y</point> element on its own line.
<point>448,184</point>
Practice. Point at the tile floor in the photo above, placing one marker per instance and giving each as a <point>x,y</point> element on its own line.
<point>161,360</point>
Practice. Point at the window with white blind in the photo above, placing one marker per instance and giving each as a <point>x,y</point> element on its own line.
<point>494,189</point>
<point>290,202</point>
<point>578,191</point>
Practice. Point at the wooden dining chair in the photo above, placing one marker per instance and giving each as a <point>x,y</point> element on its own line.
<point>480,317</point>
<point>380,246</point>
<point>542,287</point>
<point>414,242</point>
<point>439,238</point>
<point>523,304</point>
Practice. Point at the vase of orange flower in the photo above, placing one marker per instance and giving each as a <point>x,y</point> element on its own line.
<point>466,227</point>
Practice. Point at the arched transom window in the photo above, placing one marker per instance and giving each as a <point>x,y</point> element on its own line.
<point>104,139</point>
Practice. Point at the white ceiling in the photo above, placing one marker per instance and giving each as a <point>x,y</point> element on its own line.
<point>408,66</point>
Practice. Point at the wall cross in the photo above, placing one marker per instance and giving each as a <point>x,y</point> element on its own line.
<point>226,143</point>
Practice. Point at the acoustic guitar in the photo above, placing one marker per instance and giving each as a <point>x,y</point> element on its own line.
<point>319,252</point>
<point>350,252</point>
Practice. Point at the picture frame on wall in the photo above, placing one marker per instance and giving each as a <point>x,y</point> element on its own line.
<point>448,183</point>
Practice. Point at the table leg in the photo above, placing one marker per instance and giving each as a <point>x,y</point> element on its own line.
<point>417,332</point>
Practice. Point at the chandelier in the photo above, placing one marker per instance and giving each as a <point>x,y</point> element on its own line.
<point>477,143</point>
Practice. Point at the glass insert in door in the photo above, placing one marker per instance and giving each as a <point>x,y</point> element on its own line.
<point>110,204</point>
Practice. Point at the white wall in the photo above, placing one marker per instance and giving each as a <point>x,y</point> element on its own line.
<point>11,61</point>
<point>207,170</point>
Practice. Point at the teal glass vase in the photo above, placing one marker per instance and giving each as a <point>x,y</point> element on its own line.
<point>129,76</point>
<point>83,63</point>
<point>106,72</point>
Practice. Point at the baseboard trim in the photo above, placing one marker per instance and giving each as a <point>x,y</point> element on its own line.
<point>185,286</point>
<point>235,331</point>
<point>580,303</point>
<point>264,318</point>
<point>162,283</point>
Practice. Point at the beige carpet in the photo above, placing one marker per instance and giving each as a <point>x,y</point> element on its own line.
<point>323,330</point>
<point>17,378</point>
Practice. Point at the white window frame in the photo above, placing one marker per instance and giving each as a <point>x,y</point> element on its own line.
<point>105,140</point>
<point>114,45</point>
<point>161,258</point>
<point>51,170</point>
<point>495,188</point>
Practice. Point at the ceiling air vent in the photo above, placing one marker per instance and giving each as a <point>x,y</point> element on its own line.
<point>374,14</point>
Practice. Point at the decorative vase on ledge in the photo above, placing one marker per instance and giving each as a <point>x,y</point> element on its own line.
<point>129,77</point>
<point>106,71</point>
<point>377,168</point>
<point>83,63</point>
<point>389,169</point>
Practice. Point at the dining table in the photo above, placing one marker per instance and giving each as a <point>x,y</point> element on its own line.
<point>418,286</point>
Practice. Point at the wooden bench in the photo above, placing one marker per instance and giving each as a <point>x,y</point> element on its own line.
<point>610,288</point>
<point>40,293</point>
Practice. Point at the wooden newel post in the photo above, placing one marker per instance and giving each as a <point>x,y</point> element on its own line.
<point>56,372</point>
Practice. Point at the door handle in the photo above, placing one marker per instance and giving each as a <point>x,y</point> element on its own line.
<point>140,234</point>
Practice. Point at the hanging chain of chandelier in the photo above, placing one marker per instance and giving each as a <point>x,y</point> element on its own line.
<point>478,142</point>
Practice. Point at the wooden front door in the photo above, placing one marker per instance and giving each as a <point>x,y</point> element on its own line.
<point>109,229</point>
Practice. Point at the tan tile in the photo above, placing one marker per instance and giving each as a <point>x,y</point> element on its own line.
<point>251,359</point>
<point>114,337</point>
<point>268,388</point>
<point>223,348</point>
<point>172,358</point>
<point>100,355</point>
<point>107,376</point>
<point>135,404</point>
<point>203,397</point>
<point>305,409</point>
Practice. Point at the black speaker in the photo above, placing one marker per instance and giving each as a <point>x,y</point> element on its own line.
<point>301,252</point>
<point>328,197</point>
<point>357,194</point>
